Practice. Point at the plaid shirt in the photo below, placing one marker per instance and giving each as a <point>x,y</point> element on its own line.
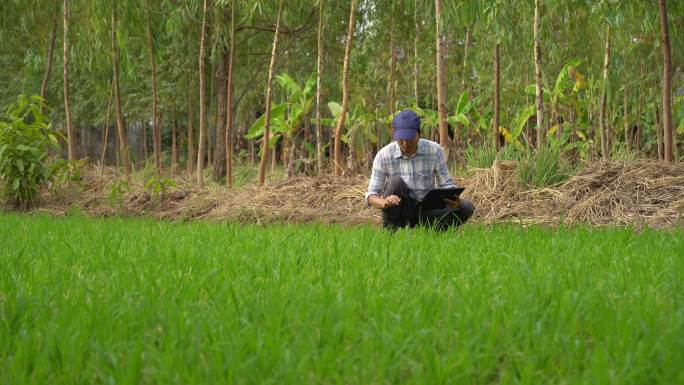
<point>419,171</point>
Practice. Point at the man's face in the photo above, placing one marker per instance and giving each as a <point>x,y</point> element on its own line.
<point>408,146</point>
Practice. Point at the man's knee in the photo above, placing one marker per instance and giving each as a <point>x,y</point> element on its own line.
<point>394,185</point>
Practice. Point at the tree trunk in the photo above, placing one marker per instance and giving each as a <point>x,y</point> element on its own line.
<point>495,128</point>
<point>124,152</point>
<point>228,140</point>
<point>156,136</point>
<point>637,135</point>
<point>391,81</point>
<point>625,122</point>
<point>319,89</point>
<point>605,147</point>
<point>219,159</point>
<point>339,165</point>
<point>441,79</point>
<point>539,98</point>
<point>202,118</point>
<point>105,136</point>
<point>144,128</point>
<point>668,139</point>
<point>67,99</point>
<point>269,91</point>
<point>659,133</point>
<point>48,68</point>
<point>415,55</point>
<point>191,145</point>
<point>174,146</point>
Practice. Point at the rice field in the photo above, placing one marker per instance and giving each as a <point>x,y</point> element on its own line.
<point>129,301</point>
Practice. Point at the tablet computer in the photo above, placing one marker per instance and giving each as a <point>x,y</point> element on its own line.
<point>435,197</point>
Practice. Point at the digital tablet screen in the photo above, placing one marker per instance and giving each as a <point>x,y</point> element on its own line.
<point>435,197</point>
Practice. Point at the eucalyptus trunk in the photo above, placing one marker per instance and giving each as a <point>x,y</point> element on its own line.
<point>391,81</point>
<point>497,99</point>
<point>156,135</point>
<point>539,94</point>
<point>48,68</point>
<point>219,159</point>
<point>174,143</point>
<point>415,55</point>
<point>105,135</point>
<point>202,118</point>
<point>319,89</point>
<point>668,136</point>
<point>441,79</point>
<point>605,146</point>
<point>228,139</point>
<point>339,166</point>
<point>269,91</point>
<point>191,134</point>
<point>67,98</point>
<point>123,151</point>
<point>625,121</point>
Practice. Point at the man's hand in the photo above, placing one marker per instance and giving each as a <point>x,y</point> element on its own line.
<point>391,201</point>
<point>453,204</point>
<point>383,203</point>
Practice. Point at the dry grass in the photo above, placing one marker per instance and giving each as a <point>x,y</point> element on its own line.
<point>638,193</point>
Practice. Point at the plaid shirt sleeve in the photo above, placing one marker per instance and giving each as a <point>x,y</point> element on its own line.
<point>378,177</point>
<point>442,172</point>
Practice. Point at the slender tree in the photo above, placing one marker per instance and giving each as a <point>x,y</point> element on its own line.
<point>202,118</point>
<point>497,99</point>
<point>605,147</point>
<point>67,98</point>
<point>228,140</point>
<point>269,90</point>
<point>156,134</point>
<point>539,95</point>
<point>668,132</point>
<point>319,82</point>
<point>339,166</point>
<point>124,152</point>
<point>441,78</point>
<point>191,134</point>
<point>48,67</point>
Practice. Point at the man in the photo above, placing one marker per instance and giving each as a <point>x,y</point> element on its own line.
<point>403,173</point>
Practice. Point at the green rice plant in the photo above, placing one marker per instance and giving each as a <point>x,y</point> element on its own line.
<point>145,302</point>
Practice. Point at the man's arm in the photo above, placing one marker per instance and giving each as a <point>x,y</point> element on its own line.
<point>377,180</point>
<point>442,172</point>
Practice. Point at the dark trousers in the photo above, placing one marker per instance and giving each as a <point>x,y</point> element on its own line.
<point>409,212</point>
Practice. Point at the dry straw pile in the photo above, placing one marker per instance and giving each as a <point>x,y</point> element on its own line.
<point>638,193</point>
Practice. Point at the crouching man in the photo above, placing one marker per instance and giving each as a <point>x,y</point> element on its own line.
<point>403,173</point>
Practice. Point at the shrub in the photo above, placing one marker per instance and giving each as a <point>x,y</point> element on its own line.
<point>546,166</point>
<point>25,137</point>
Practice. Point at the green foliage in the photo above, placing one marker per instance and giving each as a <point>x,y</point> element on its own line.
<point>483,156</point>
<point>25,136</point>
<point>158,186</point>
<point>117,193</point>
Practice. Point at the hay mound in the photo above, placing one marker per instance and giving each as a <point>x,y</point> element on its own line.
<point>326,199</point>
<point>637,193</point>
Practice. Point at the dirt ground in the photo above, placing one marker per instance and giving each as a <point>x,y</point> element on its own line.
<point>635,193</point>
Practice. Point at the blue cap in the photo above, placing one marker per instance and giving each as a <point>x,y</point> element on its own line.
<point>406,125</point>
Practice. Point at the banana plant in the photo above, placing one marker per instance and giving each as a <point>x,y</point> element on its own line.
<point>359,129</point>
<point>286,118</point>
